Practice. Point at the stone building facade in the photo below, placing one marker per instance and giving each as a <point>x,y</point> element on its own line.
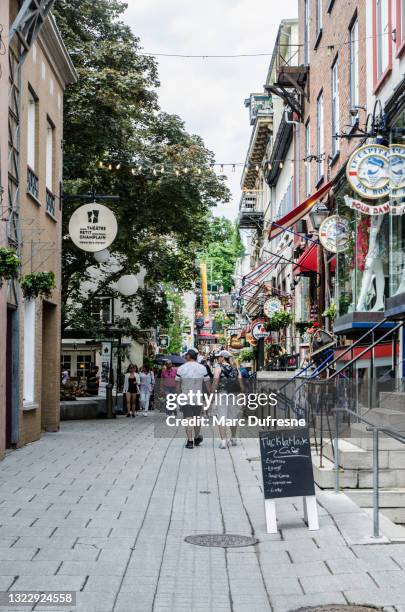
<point>31,328</point>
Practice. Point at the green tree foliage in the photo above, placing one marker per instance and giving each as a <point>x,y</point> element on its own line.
<point>111,114</point>
<point>223,249</point>
<point>178,322</point>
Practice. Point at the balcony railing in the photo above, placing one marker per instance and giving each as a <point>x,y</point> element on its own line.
<point>50,202</point>
<point>260,105</point>
<point>251,210</point>
<point>248,202</point>
<point>32,183</point>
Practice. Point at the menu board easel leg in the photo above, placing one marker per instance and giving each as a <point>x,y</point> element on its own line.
<point>271,515</point>
<point>311,513</point>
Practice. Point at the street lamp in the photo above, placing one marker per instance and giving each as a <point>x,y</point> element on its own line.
<point>318,214</point>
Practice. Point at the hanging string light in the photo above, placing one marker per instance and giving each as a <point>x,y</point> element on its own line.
<point>149,167</point>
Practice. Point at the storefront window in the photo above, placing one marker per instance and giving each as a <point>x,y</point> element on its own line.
<point>362,269</point>
<point>397,208</point>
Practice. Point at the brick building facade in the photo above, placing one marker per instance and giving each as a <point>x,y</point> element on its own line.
<point>330,44</point>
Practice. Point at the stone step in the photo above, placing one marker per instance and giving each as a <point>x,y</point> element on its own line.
<point>385,417</point>
<point>391,502</point>
<point>393,400</point>
<point>354,479</point>
<point>363,438</point>
<point>354,457</point>
<point>389,498</point>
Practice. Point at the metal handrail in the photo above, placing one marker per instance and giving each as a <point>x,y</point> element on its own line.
<point>326,363</point>
<point>376,479</point>
<point>366,350</point>
<point>356,343</point>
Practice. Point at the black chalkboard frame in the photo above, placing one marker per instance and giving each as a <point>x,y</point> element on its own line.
<point>281,450</point>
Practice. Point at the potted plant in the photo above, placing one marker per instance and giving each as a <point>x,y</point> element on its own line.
<point>302,326</point>
<point>9,264</point>
<point>279,320</point>
<point>246,354</point>
<point>330,312</point>
<point>36,284</point>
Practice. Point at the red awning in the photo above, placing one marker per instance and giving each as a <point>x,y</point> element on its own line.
<point>308,262</point>
<point>207,335</point>
<point>296,214</point>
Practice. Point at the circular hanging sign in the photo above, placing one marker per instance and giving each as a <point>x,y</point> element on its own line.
<point>397,170</point>
<point>271,306</point>
<point>93,227</point>
<point>259,331</point>
<point>334,234</point>
<point>368,171</point>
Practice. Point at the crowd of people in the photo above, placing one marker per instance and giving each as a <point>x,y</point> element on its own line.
<point>217,373</point>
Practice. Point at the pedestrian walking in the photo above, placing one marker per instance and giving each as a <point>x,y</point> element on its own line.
<point>190,378</point>
<point>228,383</point>
<point>131,389</point>
<point>147,381</point>
<point>168,379</point>
<point>92,381</point>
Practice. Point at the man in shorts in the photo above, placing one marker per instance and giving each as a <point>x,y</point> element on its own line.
<point>191,377</point>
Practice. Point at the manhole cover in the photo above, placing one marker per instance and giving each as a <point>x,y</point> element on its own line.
<point>338,608</point>
<point>221,540</point>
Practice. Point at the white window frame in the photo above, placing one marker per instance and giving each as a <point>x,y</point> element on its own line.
<point>319,22</point>
<point>382,42</point>
<point>306,32</point>
<point>320,141</point>
<point>354,66</point>
<point>29,351</point>
<point>307,160</point>
<point>50,143</point>
<point>32,131</point>
<point>335,108</point>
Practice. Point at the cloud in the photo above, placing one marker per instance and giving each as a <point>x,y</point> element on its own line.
<point>209,94</point>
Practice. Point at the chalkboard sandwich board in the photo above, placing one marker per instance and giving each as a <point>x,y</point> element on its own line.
<point>287,471</point>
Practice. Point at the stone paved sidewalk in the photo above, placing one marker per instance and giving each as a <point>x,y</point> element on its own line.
<point>103,508</point>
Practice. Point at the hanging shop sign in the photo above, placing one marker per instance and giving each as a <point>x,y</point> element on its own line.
<point>236,343</point>
<point>272,306</point>
<point>93,227</point>
<point>368,171</point>
<point>259,331</point>
<point>397,171</point>
<point>251,340</point>
<point>377,209</point>
<point>334,234</point>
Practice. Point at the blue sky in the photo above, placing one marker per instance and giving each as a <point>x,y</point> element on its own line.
<point>209,94</point>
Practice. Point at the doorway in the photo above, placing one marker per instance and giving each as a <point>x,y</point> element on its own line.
<point>12,386</point>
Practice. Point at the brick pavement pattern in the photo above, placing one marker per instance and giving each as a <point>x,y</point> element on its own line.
<point>103,507</point>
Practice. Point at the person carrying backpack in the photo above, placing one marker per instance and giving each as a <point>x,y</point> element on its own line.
<point>227,382</point>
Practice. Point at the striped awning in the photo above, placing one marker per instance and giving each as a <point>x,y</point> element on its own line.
<point>296,214</point>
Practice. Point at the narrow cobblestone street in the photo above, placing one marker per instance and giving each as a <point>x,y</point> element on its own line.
<point>102,508</point>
